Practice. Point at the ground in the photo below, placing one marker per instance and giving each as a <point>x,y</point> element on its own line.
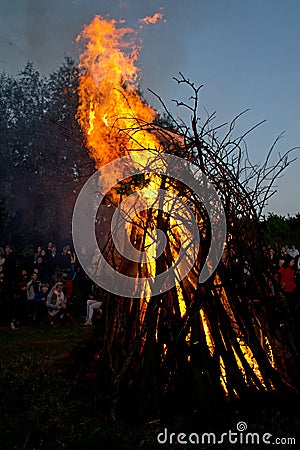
<point>39,410</point>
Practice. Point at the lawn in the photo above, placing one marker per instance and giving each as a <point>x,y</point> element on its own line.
<point>34,410</point>
<point>41,410</point>
<point>38,407</point>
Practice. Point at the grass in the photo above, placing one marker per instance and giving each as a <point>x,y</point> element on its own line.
<point>34,411</point>
<point>37,411</point>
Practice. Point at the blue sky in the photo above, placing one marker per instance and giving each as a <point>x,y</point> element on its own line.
<point>246,53</point>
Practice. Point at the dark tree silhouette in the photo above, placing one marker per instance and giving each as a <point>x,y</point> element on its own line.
<point>43,159</point>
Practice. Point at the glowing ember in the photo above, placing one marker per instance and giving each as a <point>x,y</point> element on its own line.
<point>247,353</point>
<point>209,339</point>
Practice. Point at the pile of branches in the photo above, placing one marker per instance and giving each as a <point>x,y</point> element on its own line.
<point>154,358</point>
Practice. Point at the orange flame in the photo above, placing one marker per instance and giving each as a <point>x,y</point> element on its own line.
<point>111,112</point>
<point>152,19</point>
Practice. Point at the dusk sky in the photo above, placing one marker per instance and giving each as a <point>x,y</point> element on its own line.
<point>246,53</point>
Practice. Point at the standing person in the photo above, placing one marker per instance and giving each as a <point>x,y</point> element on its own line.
<point>283,252</point>
<point>19,306</point>
<point>286,279</point>
<point>72,254</point>
<point>53,260</point>
<point>3,298</point>
<point>297,278</point>
<point>33,287</point>
<point>42,268</point>
<point>49,248</point>
<point>293,252</point>
<point>10,264</point>
<point>10,272</point>
<point>65,262</point>
<point>37,253</point>
<point>46,269</point>
<point>44,254</point>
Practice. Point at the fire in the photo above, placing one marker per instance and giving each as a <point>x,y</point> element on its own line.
<point>116,122</point>
<point>111,112</point>
<point>209,339</point>
<point>152,19</point>
<point>245,348</point>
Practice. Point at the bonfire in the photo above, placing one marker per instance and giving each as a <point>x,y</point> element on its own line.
<point>184,348</point>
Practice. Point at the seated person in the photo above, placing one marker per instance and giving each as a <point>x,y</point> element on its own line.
<point>56,301</point>
<point>92,305</point>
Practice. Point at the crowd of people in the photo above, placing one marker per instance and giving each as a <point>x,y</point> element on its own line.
<point>41,287</point>
<point>284,265</point>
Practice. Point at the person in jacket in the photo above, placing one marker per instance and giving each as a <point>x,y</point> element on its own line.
<point>286,279</point>
<point>56,302</point>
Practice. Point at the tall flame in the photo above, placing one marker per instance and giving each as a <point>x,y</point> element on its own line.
<point>111,111</point>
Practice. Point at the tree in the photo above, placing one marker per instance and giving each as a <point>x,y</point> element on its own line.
<point>280,230</point>
<point>43,159</point>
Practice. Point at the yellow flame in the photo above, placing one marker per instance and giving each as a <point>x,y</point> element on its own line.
<point>209,339</point>
<point>246,350</point>
<point>111,111</point>
<point>223,376</point>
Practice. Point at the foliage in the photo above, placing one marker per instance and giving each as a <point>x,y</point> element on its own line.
<point>42,155</point>
<point>281,230</point>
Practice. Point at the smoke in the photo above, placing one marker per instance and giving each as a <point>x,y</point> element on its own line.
<point>36,32</point>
